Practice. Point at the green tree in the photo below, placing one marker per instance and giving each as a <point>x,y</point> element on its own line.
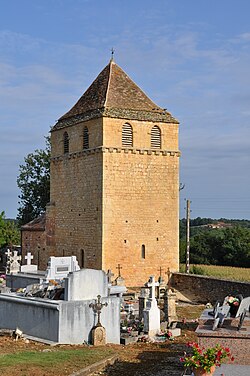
<point>9,232</point>
<point>34,183</point>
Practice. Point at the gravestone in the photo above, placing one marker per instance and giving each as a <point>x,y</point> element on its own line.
<point>29,268</point>
<point>170,306</point>
<point>244,306</point>
<point>13,262</point>
<point>143,297</point>
<point>151,313</point>
<point>60,267</point>
<point>98,333</point>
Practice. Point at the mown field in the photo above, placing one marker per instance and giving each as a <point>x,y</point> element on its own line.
<point>225,272</point>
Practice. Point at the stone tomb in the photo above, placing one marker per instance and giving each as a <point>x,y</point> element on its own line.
<point>57,269</point>
<point>231,335</point>
<point>29,267</point>
<point>60,267</point>
<point>68,321</point>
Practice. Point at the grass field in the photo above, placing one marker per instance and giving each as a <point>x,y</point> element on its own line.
<point>55,361</point>
<point>224,272</point>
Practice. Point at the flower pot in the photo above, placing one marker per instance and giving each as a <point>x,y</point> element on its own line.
<point>202,372</point>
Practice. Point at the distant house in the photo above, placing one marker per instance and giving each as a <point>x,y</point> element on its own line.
<point>219,225</point>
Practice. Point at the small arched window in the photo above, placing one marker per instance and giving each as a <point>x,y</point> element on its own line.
<point>143,251</point>
<point>85,138</point>
<point>65,142</point>
<point>127,135</point>
<point>155,137</point>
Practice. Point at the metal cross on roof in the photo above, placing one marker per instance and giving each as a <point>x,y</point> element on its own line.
<point>119,267</point>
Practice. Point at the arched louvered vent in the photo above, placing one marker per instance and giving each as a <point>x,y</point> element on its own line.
<point>85,138</point>
<point>65,143</point>
<point>127,135</point>
<point>155,137</point>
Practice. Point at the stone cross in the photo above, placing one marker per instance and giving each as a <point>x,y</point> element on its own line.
<point>151,283</point>
<point>8,261</point>
<point>97,307</point>
<point>14,263</point>
<point>119,269</point>
<point>29,257</point>
<point>110,275</point>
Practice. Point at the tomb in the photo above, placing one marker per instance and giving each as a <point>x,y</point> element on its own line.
<point>229,329</point>
<point>67,318</point>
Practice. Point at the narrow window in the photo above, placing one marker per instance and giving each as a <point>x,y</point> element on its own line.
<point>127,135</point>
<point>143,251</point>
<point>83,261</point>
<point>155,137</point>
<point>65,143</point>
<point>85,138</point>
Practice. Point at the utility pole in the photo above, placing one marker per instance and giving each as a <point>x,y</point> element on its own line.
<point>188,236</point>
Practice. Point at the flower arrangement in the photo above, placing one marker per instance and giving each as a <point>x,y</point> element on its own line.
<point>205,358</point>
<point>231,300</point>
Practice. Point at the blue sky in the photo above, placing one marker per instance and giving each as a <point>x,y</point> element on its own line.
<point>190,56</point>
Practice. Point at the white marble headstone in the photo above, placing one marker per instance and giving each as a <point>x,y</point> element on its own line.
<point>60,267</point>
<point>29,268</point>
<point>151,313</point>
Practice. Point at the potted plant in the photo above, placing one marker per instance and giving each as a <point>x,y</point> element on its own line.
<point>203,361</point>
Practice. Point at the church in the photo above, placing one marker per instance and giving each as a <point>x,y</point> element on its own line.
<point>114,193</point>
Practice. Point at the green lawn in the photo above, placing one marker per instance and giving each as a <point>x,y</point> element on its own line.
<point>56,359</point>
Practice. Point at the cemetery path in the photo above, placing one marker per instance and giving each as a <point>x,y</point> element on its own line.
<point>150,359</point>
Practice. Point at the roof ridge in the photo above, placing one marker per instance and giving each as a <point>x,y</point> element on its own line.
<point>108,85</point>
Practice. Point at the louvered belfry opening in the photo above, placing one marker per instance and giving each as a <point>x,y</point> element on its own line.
<point>85,138</point>
<point>65,142</point>
<point>155,137</point>
<point>127,135</point>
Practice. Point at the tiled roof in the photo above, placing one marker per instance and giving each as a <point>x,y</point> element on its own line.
<point>38,224</point>
<point>114,94</point>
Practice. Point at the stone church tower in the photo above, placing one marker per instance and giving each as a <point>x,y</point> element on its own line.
<point>115,181</point>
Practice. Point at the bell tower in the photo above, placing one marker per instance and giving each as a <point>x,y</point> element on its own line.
<point>115,180</point>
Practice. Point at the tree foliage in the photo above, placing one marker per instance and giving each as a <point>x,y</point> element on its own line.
<point>9,232</point>
<point>227,246</point>
<point>34,183</point>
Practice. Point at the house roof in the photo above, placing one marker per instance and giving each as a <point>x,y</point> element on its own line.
<point>38,224</point>
<point>114,94</point>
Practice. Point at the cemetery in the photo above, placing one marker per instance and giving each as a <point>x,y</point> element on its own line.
<point>66,305</point>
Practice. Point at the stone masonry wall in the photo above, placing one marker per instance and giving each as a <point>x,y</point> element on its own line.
<point>205,289</point>
<point>140,208</point>
<point>140,202</point>
<point>109,201</point>
<point>34,242</point>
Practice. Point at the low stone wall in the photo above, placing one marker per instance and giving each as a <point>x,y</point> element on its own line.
<point>203,289</point>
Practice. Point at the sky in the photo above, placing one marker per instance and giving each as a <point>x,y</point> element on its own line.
<point>189,56</point>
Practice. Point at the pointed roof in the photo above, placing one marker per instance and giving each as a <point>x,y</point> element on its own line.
<point>114,94</point>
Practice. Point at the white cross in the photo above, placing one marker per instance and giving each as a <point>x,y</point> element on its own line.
<point>151,283</point>
<point>29,257</point>
<point>8,253</point>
